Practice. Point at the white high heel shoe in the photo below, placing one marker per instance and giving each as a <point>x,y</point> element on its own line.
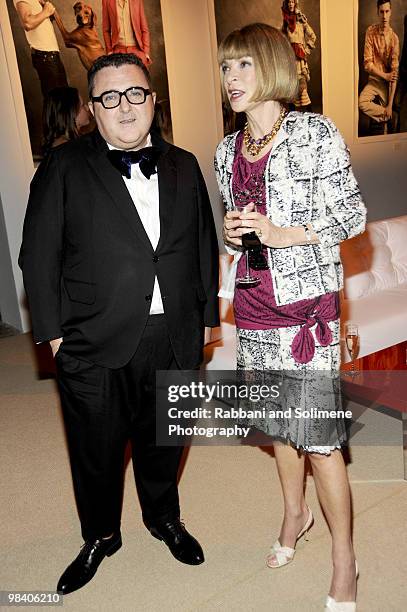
<point>341,606</point>
<point>284,554</point>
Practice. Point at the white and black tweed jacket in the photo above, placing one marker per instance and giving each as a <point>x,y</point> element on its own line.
<point>309,179</point>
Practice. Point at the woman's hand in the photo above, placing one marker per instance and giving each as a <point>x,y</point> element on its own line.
<point>231,222</point>
<point>236,224</point>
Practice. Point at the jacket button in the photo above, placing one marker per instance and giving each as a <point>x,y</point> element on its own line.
<point>155,259</point>
<point>148,298</point>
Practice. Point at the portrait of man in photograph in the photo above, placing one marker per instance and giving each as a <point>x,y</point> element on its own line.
<point>380,92</point>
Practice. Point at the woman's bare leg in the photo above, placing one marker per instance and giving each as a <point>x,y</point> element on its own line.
<point>290,466</point>
<point>331,481</point>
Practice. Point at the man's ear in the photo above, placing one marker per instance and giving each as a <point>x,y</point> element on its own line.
<point>90,106</point>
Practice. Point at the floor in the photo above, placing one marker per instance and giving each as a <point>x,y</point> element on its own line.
<point>7,330</point>
<point>230,500</point>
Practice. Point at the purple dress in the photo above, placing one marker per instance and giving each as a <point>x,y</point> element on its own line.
<point>256,308</point>
<point>291,345</point>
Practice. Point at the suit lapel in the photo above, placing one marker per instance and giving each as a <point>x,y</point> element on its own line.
<point>167,187</point>
<point>115,186</point>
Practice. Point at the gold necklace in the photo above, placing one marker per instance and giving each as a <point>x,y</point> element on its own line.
<point>254,146</point>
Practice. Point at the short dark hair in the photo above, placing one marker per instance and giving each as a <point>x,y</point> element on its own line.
<point>116,60</point>
<point>380,2</point>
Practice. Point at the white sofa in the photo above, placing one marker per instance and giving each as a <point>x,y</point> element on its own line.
<point>375,292</point>
<point>374,297</point>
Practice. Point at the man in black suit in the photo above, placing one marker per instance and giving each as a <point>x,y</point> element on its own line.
<point>120,264</point>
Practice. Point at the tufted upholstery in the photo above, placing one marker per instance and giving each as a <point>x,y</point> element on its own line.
<point>375,291</point>
<point>376,260</point>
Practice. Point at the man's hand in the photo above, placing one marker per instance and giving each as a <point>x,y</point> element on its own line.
<point>388,113</point>
<point>48,8</point>
<point>390,76</point>
<point>55,344</point>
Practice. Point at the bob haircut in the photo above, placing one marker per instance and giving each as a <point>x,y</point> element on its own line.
<point>273,57</point>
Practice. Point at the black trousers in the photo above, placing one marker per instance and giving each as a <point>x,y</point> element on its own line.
<point>50,70</point>
<point>103,409</point>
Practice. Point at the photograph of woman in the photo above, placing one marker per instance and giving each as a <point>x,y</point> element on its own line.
<point>290,173</point>
<point>302,38</point>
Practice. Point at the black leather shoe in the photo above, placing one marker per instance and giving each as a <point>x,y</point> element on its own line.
<point>85,566</point>
<point>182,545</point>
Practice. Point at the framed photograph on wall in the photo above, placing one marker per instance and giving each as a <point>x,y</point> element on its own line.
<point>381,68</point>
<point>60,50</point>
<point>300,21</point>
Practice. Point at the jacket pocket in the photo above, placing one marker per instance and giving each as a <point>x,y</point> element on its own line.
<point>80,291</point>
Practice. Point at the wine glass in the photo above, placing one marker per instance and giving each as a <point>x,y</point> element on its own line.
<point>352,344</point>
<point>248,280</point>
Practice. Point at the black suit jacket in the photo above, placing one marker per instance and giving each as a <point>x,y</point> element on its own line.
<point>89,266</point>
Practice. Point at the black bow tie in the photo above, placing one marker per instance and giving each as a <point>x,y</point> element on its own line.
<point>147,158</point>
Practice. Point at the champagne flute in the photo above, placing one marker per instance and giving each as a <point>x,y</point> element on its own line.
<point>248,280</point>
<point>352,344</point>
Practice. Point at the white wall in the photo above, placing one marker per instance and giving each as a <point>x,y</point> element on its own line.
<point>16,169</point>
<point>190,48</point>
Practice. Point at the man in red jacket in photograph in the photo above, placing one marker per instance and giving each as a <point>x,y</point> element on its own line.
<point>125,28</point>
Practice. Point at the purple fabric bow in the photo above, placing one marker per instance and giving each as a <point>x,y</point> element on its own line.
<point>303,346</point>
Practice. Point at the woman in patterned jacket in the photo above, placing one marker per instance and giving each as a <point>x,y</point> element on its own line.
<point>295,167</point>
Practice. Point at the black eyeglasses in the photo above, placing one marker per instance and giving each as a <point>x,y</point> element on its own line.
<point>112,99</point>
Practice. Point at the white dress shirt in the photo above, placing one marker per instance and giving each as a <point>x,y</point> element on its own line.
<point>144,193</point>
